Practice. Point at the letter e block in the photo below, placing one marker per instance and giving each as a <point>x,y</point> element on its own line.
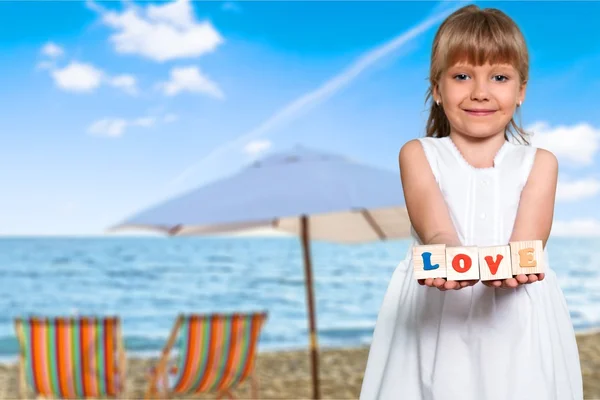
<point>495,263</point>
<point>429,261</point>
<point>462,263</point>
<point>527,257</point>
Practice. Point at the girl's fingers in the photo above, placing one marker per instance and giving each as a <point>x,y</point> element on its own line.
<point>521,278</point>
<point>511,283</point>
<point>439,282</point>
<point>450,285</point>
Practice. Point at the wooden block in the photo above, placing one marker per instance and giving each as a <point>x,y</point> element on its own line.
<point>495,263</point>
<point>527,257</point>
<point>462,263</point>
<point>429,261</point>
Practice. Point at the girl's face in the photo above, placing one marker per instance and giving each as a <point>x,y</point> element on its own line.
<point>479,101</point>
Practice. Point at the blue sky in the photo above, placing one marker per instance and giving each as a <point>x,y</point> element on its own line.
<point>112,107</point>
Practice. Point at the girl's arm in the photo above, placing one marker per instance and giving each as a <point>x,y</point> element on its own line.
<point>536,206</point>
<point>536,210</point>
<point>426,206</point>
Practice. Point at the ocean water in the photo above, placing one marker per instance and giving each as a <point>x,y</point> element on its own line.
<point>148,281</point>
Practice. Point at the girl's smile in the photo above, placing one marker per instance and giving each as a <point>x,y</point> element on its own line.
<point>479,112</point>
<point>479,101</point>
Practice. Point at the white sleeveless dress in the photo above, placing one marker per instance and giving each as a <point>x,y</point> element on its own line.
<point>476,343</point>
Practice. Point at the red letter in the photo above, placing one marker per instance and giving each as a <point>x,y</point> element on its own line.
<point>466,263</point>
<point>493,265</point>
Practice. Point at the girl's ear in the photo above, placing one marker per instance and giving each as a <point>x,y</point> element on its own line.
<point>522,92</point>
<point>436,93</point>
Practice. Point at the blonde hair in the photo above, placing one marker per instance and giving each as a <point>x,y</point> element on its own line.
<point>475,36</point>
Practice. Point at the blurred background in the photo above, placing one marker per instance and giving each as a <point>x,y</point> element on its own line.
<point>112,107</point>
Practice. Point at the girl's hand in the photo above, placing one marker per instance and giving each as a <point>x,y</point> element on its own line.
<point>443,285</point>
<point>517,281</point>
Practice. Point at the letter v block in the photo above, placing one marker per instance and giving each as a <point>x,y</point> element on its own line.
<point>429,261</point>
<point>462,263</point>
<point>527,257</point>
<point>495,263</point>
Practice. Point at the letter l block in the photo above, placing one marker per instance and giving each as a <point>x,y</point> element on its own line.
<point>429,261</point>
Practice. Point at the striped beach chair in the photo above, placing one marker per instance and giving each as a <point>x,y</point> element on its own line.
<point>70,357</point>
<point>216,354</point>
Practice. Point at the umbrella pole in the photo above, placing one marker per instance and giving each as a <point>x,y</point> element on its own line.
<point>304,229</point>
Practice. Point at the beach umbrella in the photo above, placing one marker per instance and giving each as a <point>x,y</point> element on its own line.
<point>302,191</point>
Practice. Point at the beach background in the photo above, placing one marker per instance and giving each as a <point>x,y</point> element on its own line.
<point>111,107</point>
<point>148,281</point>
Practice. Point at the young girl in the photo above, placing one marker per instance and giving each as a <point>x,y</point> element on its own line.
<point>475,181</point>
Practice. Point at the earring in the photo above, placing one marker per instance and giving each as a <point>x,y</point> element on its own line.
<point>520,103</point>
<point>437,102</point>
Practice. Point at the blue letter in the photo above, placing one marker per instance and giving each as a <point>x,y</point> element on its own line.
<point>427,262</point>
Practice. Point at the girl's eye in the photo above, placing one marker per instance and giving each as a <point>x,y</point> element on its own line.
<point>461,77</point>
<point>500,78</point>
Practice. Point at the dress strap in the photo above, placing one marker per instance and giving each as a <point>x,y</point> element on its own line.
<point>521,158</point>
<point>529,159</point>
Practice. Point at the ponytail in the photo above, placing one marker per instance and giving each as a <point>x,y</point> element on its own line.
<point>438,125</point>
<point>516,130</point>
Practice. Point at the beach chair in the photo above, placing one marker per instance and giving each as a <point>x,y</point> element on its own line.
<point>70,357</point>
<point>216,354</point>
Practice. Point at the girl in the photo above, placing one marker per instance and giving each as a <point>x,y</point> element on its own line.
<point>469,183</point>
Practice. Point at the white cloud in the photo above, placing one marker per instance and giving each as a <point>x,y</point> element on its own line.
<point>160,32</point>
<point>190,79</point>
<point>78,77</point>
<point>127,83</point>
<point>145,122</point>
<point>576,227</point>
<point>312,98</point>
<point>577,189</point>
<point>257,146</point>
<point>110,127</point>
<point>178,13</point>
<point>52,50</point>
<point>116,127</point>
<point>85,78</point>
<point>575,144</point>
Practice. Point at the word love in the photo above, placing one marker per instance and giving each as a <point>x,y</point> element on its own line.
<point>483,263</point>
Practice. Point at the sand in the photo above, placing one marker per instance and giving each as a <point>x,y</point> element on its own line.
<point>286,375</point>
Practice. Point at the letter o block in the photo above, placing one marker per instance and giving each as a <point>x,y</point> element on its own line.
<point>462,263</point>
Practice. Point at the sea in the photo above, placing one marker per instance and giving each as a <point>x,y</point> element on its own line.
<point>148,281</point>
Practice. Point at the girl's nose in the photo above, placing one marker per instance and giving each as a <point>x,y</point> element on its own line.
<point>480,91</point>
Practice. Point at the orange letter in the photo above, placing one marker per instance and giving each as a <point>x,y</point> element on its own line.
<point>493,266</point>
<point>526,258</point>
<point>466,263</point>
